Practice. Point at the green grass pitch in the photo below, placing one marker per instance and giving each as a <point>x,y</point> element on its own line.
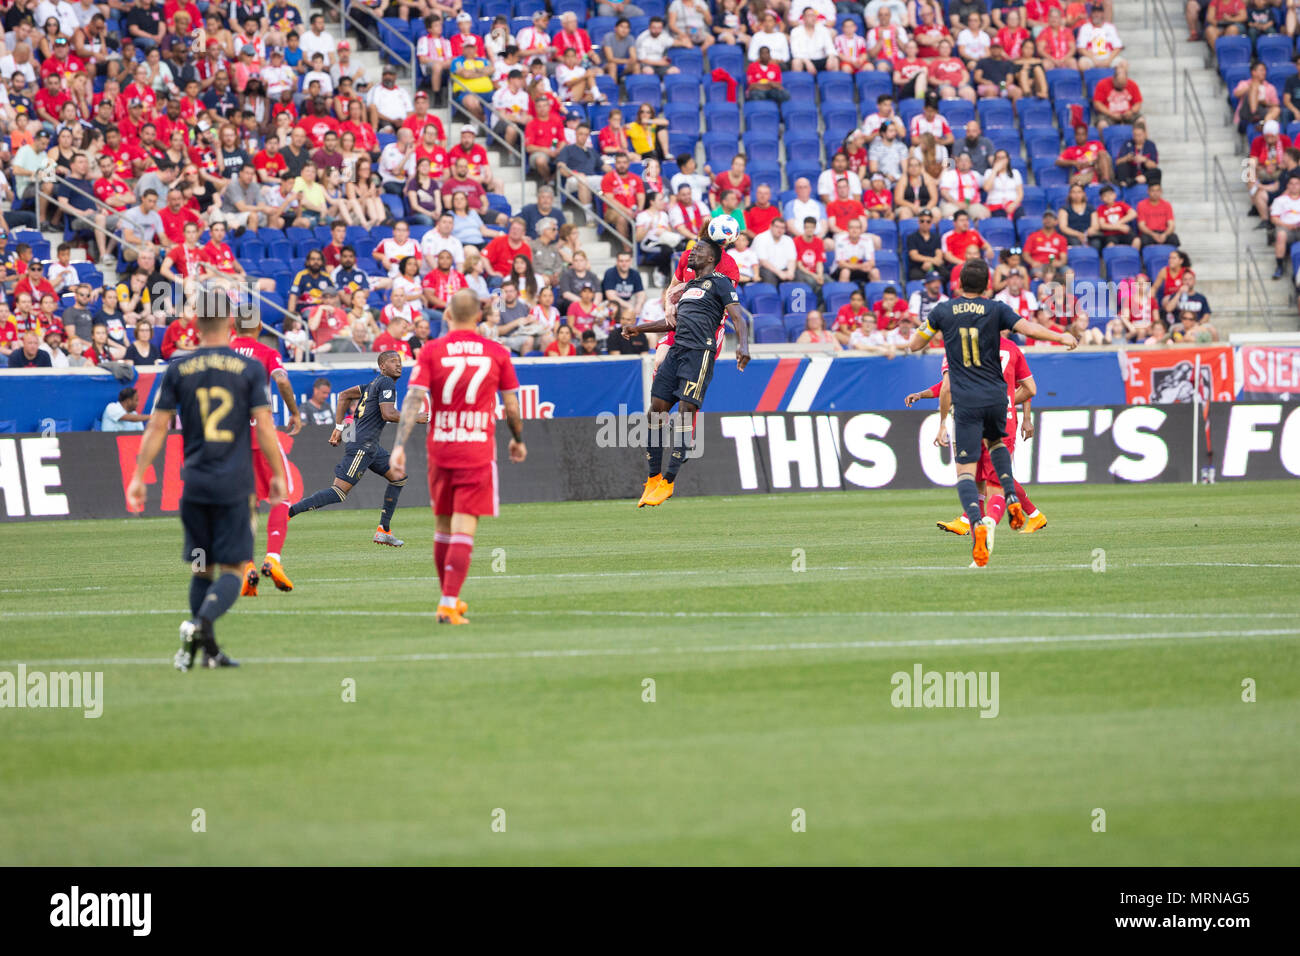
<point>1119,690</point>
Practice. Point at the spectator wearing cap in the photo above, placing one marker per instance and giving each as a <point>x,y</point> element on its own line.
<point>463,39</point>
<point>1098,41</point>
<point>471,81</point>
<point>345,69</point>
<point>535,40</point>
<point>476,159</point>
<point>277,76</point>
<point>389,105</point>
<point>422,117</point>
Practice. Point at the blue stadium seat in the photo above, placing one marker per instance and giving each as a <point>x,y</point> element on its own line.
<point>1047,176</point>
<point>688,59</point>
<point>758,149</point>
<point>768,329</point>
<point>763,298</point>
<point>1155,258</point>
<point>643,89</point>
<point>834,87</point>
<point>579,9</point>
<point>727,121</point>
<point>1042,144</point>
<point>717,93</point>
<point>280,249</point>
<point>794,292</point>
<point>1000,233</point>
<point>1278,74</point>
<point>1232,52</point>
<point>887,230</point>
<point>799,85</point>
<point>1094,76</point>
<point>907,109</point>
<point>996,114</point>
<point>801,144</point>
<point>1121,262</point>
<point>1063,82</point>
<point>1008,139</point>
<point>1085,262</point>
<point>758,107</point>
<point>1274,48</point>
<point>840,120</point>
<point>1035,113</point>
<point>760,175</point>
<point>800,114</point>
<point>396,205</point>
<point>682,89</point>
<point>887,263</point>
<point>1135,194</point>
<point>725,56</point>
<point>872,84</point>
<point>1114,137</point>
<point>957,112</point>
<point>1033,205</point>
<point>597,27</point>
<point>794,323</point>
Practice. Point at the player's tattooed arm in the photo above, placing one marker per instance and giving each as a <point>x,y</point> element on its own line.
<point>1033,330</point>
<point>285,387</point>
<point>515,422</point>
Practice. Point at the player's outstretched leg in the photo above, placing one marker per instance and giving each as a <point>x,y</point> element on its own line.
<point>335,494</point>
<point>277,528</point>
<point>683,424</point>
<point>654,452</point>
<point>1035,520</point>
<point>382,534</point>
<point>1001,459</point>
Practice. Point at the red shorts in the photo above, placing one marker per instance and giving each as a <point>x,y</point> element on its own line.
<point>262,472</point>
<point>466,491</point>
<point>984,470</point>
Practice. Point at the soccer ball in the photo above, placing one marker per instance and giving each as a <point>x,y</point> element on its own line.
<point>723,230</point>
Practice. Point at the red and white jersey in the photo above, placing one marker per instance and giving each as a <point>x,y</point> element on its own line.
<point>267,356</point>
<point>1025,304</point>
<point>938,126</point>
<point>1014,371</point>
<point>463,372</point>
<point>684,273</point>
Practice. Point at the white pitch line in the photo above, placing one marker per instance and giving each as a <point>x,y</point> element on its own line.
<point>708,649</point>
<point>245,608</point>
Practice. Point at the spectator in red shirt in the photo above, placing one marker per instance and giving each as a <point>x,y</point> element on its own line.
<point>841,210</point>
<point>624,190</point>
<point>544,138</point>
<point>850,317</point>
<point>961,238</point>
<point>1115,218</point>
<point>810,250</point>
<point>1116,99</point>
<point>1087,160</point>
<point>394,337</point>
<point>734,177</point>
<point>500,252</point>
<point>890,309</point>
<point>1268,149</point>
<point>764,79</point>
<point>181,337</point>
<point>563,346</point>
<point>758,217</point>
<point>1155,220</point>
<point>1046,247</point>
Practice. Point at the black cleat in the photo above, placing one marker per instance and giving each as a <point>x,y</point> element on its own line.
<point>218,660</point>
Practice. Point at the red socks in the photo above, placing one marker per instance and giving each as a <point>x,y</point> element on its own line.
<point>440,544</point>
<point>277,527</point>
<point>997,504</point>
<point>1024,500</point>
<point>459,551</point>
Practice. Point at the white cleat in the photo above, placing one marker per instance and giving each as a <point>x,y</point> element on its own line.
<point>184,658</point>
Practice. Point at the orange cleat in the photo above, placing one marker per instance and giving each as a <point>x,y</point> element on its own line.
<point>982,545</point>
<point>1034,522</point>
<point>959,525</point>
<point>250,581</point>
<point>659,493</point>
<point>452,615</point>
<point>271,569</point>
<point>1015,516</point>
<point>650,484</point>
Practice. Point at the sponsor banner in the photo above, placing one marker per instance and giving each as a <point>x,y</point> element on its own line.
<point>1166,376</point>
<point>84,475</point>
<point>1268,373</point>
<point>549,388</point>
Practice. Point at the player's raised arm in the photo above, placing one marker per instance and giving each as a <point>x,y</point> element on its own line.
<point>742,334</point>
<point>269,443</point>
<point>515,422</point>
<point>285,388</point>
<point>1033,330</point>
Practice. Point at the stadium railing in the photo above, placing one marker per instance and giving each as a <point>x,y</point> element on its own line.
<point>262,302</point>
<point>1156,14</point>
<point>348,14</point>
<point>1257,291</point>
<point>1194,113</point>
<point>459,114</point>
<point>1223,197</point>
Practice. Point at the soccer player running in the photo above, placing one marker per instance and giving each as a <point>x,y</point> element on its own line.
<point>972,327</point>
<point>277,522</point>
<point>1021,389</point>
<point>460,375</point>
<point>683,378</point>
<point>215,390</point>
<point>362,451</point>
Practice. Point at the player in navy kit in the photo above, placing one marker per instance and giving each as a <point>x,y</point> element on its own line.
<point>362,451</point>
<point>972,328</point>
<point>216,391</point>
<point>684,375</point>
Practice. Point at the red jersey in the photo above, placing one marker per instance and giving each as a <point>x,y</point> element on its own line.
<point>220,257</point>
<point>841,212</point>
<point>622,189</point>
<point>317,126</point>
<point>757,73</point>
<point>810,252</point>
<point>849,319</point>
<point>1040,247</point>
<point>444,285</point>
<point>889,318</point>
<point>384,342</point>
<point>179,335</point>
<point>267,356</point>
<point>684,273</point>
<point>759,218</point>
<point>437,157</point>
<point>364,133</point>
<point>174,223</point>
<point>272,164</point>
<point>1014,371</point>
<point>185,261</point>
<point>417,124</point>
<point>463,373</point>
<point>1110,214</point>
<point>476,157</point>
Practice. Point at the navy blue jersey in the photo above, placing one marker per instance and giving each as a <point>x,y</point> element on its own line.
<point>702,309</point>
<point>215,390</point>
<point>367,421</point>
<point>972,334</point>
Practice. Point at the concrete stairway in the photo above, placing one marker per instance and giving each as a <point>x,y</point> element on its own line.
<point>1182,161</point>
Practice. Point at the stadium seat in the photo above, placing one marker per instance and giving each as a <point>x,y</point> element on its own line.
<point>688,59</point>
<point>682,89</point>
<point>1155,258</point>
<point>1085,262</point>
<point>800,143</point>
<point>794,323</point>
<point>871,84</point>
<point>834,87</point>
<point>1063,82</point>
<point>597,27</point>
<point>1232,52</point>
<point>799,85</point>
<point>768,329</point>
<point>838,300</point>
<point>839,120</point>
<point>643,89</point>
<point>758,149</point>
<point>1042,143</point>
<point>725,56</point>
<point>1033,205</point>
<point>806,168</point>
<point>792,293</point>
<point>396,205</point>
<point>1094,76</point>
<point>887,263</point>
<point>999,232</point>
<point>957,112</point>
<point>995,114</point>
<point>1121,262</point>
<point>1275,48</point>
<point>279,249</point>
<point>1008,139</point>
<point>1035,114</point>
<point>1135,194</point>
<point>757,107</point>
<point>1048,175</point>
<point>1114,137</point>
<point>728,121</point>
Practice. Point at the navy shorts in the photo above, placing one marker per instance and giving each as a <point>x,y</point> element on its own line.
<point>684,376</point>
<point>216,533</point>
<point>973,426</point>
<point>360,458</point>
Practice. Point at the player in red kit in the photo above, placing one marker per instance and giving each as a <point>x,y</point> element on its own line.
<point>277,522</point>
<point>460,375</point>
<point>1021,389</point>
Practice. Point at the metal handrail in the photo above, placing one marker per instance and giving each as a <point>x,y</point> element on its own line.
<point>262,301</point>
<point>1256,289</point>
<point>597,220</point>
<point>345,8</point>
<point>518,153</point>
<point>1193,113</point>
<point>1222,195</point>
<point>1161,25</point>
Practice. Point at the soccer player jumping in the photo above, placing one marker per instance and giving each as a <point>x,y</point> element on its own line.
<point>460,375</point>
<point>683,377</point>
<point>972,327</point>
<point>362,450</point>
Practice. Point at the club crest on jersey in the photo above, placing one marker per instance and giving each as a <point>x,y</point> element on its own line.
<point>708,283</point>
